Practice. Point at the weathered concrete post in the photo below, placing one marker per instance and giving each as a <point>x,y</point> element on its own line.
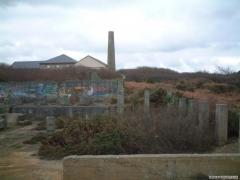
<point>203,114</point>
<point>111,51</point>
<point>182,106</point>
<point>120,97</point>
<point>2,123</point>
<point>169,100</point>
<point>192,110</point>
<point>148,120</point>
<point>221,123</point>
<point>70,112</point>
<point>6,120</point>
<point>146,101</point>
<point>50,122</point>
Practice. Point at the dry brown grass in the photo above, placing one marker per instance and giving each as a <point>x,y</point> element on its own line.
<point>161,131</point>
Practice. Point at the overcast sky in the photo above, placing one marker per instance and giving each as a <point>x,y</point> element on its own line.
<point>184,35</point>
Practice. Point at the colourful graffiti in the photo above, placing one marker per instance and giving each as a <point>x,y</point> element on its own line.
<point>32,92</point>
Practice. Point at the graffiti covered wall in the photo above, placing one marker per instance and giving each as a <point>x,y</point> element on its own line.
<point>70,92</point>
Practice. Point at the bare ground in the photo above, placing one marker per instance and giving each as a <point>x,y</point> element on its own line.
<point>19,161</point>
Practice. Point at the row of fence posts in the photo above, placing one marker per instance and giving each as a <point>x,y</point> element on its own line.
<point>199,111</point>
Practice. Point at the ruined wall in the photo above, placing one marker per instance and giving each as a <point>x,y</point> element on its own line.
<point>83,92</point>
<point>80,111</point>
<point>162,166</point>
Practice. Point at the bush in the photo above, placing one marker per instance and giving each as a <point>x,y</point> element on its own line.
<point>98,136</point>
<point>158,96</point>
<point>185,86</point>
<point>131,133</point>
<point>60,123</point>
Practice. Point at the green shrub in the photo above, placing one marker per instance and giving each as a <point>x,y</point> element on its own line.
<point>107,143</point>
<point>60,123</point>
<point>53,147</point>
<point>185,86</point>
<point>158,96</point>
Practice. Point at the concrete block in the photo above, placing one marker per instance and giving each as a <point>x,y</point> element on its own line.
<point>221,123</point>
<point>120,97</point>
<point>192,110</point>
<point>203,114</point>
<point>50,122</point>
<point>182,106</point>
<point>70,112</point>
<point>146,101</point>
<point>2,123</point>
<point>152,166</point>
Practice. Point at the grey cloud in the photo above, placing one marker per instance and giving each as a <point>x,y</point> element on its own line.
<point>65,3</point>
<point>213,31</point>
<point>160,46</point>
<point>226,45</point>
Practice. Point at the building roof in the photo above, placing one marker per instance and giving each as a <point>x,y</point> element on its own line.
<point>62,59</point>
<point>26,65</point>
<point>87,61</point>
<point>92,59</point>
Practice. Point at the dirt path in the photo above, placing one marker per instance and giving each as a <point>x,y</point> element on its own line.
<point>19,161</point>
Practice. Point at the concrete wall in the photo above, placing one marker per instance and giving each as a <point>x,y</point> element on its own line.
<point>135,167</point>
<point>80,111</point>
<point>83,92</point>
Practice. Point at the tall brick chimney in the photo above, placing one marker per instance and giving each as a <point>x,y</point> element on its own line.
<point>111,51</point>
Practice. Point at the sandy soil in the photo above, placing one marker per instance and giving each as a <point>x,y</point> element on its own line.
<point>20,162</point>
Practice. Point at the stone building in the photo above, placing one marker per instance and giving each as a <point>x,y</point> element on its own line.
<point>91,62</point>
